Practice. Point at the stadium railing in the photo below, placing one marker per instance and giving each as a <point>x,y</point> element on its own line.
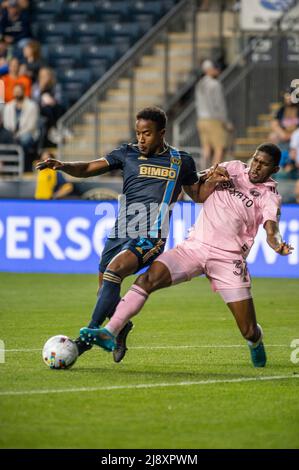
<point>11,162</point>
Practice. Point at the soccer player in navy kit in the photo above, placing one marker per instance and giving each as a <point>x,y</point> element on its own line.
<point>154,174</point>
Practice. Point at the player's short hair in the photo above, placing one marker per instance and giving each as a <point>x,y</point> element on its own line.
<point>155,114</point>
<point>272,150</point>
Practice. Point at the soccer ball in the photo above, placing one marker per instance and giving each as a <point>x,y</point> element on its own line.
<point>60,352</point>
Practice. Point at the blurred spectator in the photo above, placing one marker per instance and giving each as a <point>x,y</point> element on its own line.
<point>21,117</point>
<point>14,78</point>
<point>32,55</point>
<point>294,149</point>
<point>48,94</point>
<point>204,5</point>
<point>213,125</point>
<point>24,4</point>
<point>285,122</point>
<point>46,84</point>
<point>6,136</point>
<point>3,58</point>
<point>51,184</point>
<point>15,25</point>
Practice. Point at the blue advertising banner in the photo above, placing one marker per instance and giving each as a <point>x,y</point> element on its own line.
<point>69,236</point>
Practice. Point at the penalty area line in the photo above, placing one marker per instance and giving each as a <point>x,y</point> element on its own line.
<point>146,386</point>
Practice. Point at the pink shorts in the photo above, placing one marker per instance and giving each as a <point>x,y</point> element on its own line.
<point>224,269</point>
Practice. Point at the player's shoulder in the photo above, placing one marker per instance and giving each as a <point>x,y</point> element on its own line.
<point>270,193</point>
<point>125,149</point>
<point>235,164</point>
<point>132,148</point>
<point>185,156</point>
<point>271,187</point>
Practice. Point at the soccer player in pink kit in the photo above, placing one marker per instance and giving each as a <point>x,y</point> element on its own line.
<point>217,247</point>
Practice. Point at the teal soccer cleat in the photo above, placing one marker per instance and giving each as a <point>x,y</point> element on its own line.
<point>258,355</point>
<point>99,336</point>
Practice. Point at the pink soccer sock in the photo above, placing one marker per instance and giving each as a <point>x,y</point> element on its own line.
<point>129,306</point>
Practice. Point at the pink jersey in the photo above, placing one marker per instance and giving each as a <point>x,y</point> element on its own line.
<point>231,215</point>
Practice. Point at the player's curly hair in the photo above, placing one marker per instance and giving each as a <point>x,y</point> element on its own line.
<point>155,114</point>
<point>272,150</point>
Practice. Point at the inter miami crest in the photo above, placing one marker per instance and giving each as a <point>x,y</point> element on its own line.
<point>254,193</point>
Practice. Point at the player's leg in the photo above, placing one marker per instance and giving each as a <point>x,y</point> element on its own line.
<point>218,141</point>
<point>81,345</point>
<point>244,313</point>
<point>135,254</point>
<point>146,250</point>
<point>203,131</point>
<point>218,155</point>
<point>100,281</point>
<point>173,267</point>
<point>122,265</point>
<point>111,250</point>
<point>177,265</point>
<point>231,279</point>
<point>157,277</point>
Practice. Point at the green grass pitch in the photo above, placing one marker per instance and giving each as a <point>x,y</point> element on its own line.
<point>182,384</point>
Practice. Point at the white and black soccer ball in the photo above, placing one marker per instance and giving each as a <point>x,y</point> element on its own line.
<point>60,352</point>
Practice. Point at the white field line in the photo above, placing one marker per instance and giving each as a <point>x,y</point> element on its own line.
<point>211,346</point>
<point>145,386</point>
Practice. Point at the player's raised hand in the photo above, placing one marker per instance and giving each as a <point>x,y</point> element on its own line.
<point>49,163</point>
<point>218,174</point>
<point>284,249</point>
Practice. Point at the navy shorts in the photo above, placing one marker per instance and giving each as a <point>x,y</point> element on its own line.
<point>146,250</point>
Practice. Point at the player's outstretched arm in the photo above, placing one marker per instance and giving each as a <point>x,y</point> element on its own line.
<point>77,169</point>
<point>274,239</point>
<point>200,191</point>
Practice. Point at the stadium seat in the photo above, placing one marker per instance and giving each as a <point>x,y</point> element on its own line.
<point>52,7</point>
<point>86,8</point>
<point>122,43</point>
<point>131,30</point>
<point>64,55</point>
<point>106,52</point>
<point>97,65</point>
<point>45,52</point>
<point>145,7</point>
<point>75,75</point>
<point>97,71</point>
<point>144,20</point>
<point>111,10</point>
<point>166,4</point>
<point>56,33</point>
<point>42,18</point>
<point>72,91</point>
<point>89,33</point>
<point>76,18</point>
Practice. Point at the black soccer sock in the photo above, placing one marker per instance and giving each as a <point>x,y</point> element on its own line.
<point>108,298</point>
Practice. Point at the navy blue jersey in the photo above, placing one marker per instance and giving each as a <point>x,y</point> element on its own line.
<point>150,183</point>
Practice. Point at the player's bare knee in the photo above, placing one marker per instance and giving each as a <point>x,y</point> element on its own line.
<point>143,281</point>
<point>116,268</point>
<point>157,278</point>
